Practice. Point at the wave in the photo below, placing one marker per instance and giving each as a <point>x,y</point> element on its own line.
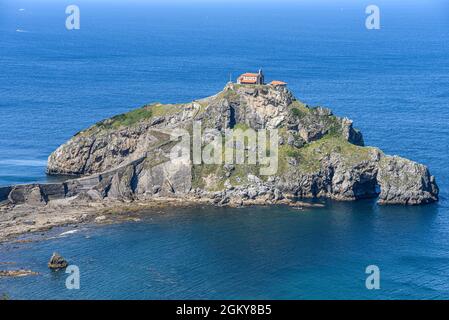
<point>68,232</point>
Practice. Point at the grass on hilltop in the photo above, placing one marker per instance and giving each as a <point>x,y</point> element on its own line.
<point>309,157</point>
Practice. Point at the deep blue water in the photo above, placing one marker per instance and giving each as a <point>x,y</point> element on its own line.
<point>254,252</point>
<point>394,84</point>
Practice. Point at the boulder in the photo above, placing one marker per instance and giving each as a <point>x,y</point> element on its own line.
<point>57,262</point>
<point>29,194</point>
<point>403,181</point>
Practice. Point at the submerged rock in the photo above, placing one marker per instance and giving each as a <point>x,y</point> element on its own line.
<point>17,273</point>
<point>57,262</point>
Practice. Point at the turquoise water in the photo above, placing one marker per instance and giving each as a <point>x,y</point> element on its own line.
<point>393,83</point>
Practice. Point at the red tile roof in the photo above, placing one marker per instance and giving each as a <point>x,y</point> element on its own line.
<point>278,83</point>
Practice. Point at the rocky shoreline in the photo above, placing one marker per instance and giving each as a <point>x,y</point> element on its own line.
<point>25,218</point>
<point>125,163</point>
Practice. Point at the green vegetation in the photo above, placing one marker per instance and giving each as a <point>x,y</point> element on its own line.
<point>229,95</point>
<point>241,126</point>
<point>217,174</point>
<point>285,152</point>
<point>292,152</point>
<point>240,173</point>
<point>296,112</point>
<point>212,176</point>
<point>200,173</point>
<point>134,116</point>
<point>203,106</point>
<point>311,116</point>
<point>299,109</point>
<point>311,155</point>
<point>159,110</point>
<point>333,124</point>
<point>308,159</point>
<point>129,118</point>
<point>253,86</point>
<point>125,119</point>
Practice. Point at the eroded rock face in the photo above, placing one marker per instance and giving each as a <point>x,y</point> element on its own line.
<point>101,151</point>
<point>336,179</point>
<point>405,182</point>
<point>263,107</point>
<point>30,194</point>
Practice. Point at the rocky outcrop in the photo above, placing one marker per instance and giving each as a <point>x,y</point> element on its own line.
<point>403,181</point>
<point>338,180</point>
<point>127,157</point>
<point>57,262</point>
<point>31,194</point>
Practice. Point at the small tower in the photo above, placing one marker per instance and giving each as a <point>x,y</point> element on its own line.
<point>261,77</point>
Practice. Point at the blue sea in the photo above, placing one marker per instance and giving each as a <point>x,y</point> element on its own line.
<point>393,82</point>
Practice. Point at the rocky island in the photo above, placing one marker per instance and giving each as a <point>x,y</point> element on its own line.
<point>126,159</point>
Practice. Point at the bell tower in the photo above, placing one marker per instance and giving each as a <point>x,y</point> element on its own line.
<point>261,77</point>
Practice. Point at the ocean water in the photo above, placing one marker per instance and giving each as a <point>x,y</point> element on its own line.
<point>392,82</point>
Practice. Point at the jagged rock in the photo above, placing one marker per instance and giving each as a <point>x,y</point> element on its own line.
<point>253,179</point>
<point>29,194</point>
<point>122,185</point>
<point>57,262</point>
<point>356,182</point>
<point>278,195</point>
<point>228,185</point>
<point>252,192</point>
<point>349,133</point>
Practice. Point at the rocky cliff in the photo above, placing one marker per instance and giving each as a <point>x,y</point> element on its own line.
<point>320,155</point>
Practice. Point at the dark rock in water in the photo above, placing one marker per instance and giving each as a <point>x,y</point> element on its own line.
<point>57,262</point>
